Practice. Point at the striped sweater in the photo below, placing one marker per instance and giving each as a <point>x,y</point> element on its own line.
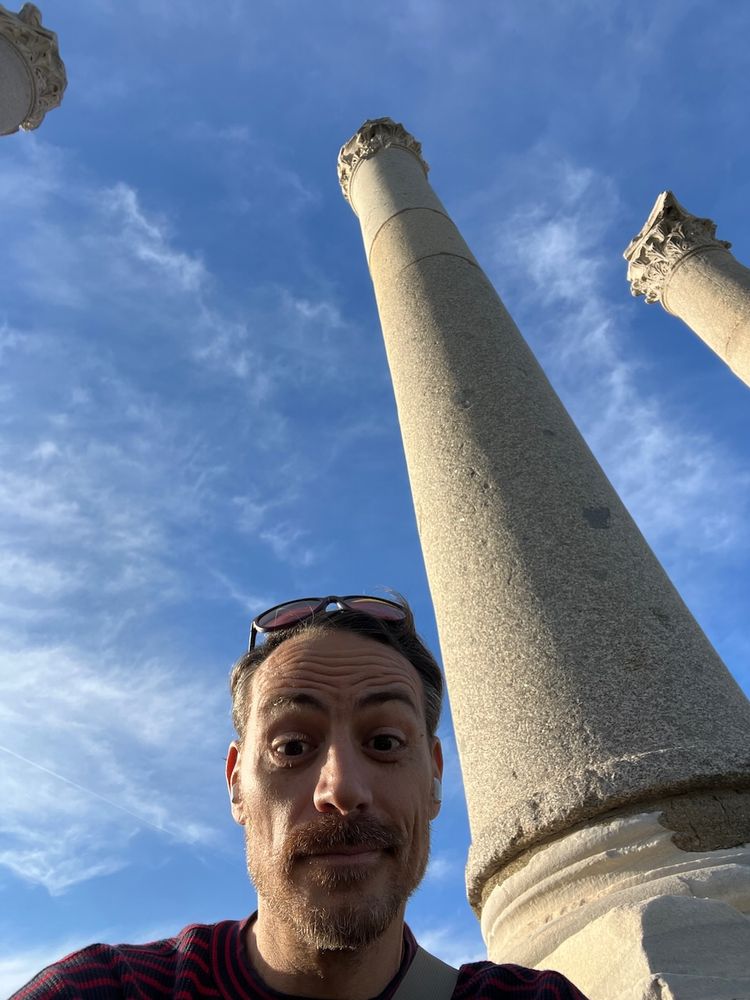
<point>209,960</point>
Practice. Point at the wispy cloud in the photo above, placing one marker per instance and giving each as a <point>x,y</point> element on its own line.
<point>118,482</point>
<point>249,601</point>
<point>244,163</point>
<point>553,257</point>
<point>451,942</point>
<point>18,967</point>
<point>100,751</point>
<point>443,867</point>
<point>112,468</point>
<point>148,241</point>
<point>288,544</point>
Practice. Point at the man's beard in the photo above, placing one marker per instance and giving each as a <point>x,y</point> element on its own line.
<point>352,918</point>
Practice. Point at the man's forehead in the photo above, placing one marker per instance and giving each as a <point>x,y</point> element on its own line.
<point>334,664</point>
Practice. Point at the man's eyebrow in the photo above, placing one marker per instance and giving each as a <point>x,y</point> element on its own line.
<point>283,702</point>
<point>381,697</point>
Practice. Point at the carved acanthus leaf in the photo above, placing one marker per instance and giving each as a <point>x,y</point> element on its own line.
<point>669,234</point>
<point>374,135</point>
<point>39,50</point>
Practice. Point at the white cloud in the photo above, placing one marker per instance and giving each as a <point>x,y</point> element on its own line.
<point>288,544</point>
<point>148,241</point>
<point>443,867</point>
<point>100,751</point>
<point>18,968</point>
<point>112,468</point>
<point>115,485</point>
<point>451,943</point>
<point>9,339</point>
<point>248,600</point>
<point>81,512</point>
<point>37,576</point>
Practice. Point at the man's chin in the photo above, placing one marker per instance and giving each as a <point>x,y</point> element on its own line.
<point>346,924</point>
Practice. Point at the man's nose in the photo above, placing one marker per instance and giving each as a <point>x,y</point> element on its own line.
<point>343,784</point>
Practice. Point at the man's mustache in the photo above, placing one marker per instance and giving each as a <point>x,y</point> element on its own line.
<point>331,832</point>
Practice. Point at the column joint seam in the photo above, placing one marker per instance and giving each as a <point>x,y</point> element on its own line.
<point>401,211</point>
<point>439,253</point>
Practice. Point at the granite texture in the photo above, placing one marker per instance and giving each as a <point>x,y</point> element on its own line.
<point>710,291</point>
<point>16,88</point>
<point>578,679</point>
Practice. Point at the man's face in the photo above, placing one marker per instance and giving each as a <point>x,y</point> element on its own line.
<point>336,786</point>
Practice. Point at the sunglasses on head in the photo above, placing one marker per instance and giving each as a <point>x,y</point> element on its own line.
<point>293,612</point>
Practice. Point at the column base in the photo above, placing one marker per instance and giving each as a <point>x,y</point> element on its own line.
<point>625,914</point>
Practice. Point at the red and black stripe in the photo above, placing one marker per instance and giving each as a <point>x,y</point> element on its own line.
<point>209,960</point>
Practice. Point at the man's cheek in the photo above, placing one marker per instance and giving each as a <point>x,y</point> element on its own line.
<point>277,821</point>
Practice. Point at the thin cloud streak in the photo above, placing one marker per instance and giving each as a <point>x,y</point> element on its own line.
<point>124,728</point>
<point>82,788</point>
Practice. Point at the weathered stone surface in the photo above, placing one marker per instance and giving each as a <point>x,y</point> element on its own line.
<point>668,236</point>
<point>16,87</point>
<point>674,947</point>
<point>32,75</point>
<point>579,681</point>
<point>708,821</point>
<point>676,260</point>
<point>623,912</point>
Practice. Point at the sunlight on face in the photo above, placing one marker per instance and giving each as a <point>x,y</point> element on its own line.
<point>336,775</point>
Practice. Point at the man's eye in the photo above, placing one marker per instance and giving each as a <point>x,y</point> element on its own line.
<point>294,747</point>
<point>385,743</point>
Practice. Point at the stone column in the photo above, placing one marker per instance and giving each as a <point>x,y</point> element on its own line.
<point>676,260</point>
<point>32,75</point>
<point>605,748</point>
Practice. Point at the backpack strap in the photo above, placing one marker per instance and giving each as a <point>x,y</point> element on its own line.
<point>427,978</point>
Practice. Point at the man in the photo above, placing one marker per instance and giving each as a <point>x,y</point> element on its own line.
<point>335,777</point>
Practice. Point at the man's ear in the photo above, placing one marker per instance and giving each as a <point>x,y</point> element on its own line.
<point>437,777</point>
<point>233,783</point>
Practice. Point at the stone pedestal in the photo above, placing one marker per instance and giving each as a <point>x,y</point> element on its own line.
<point>627,914</point>
<point>580,684</point>
<point>676,260</point>
<point>32,75</point>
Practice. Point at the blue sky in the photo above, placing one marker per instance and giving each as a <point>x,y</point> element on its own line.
<point>197,418</point>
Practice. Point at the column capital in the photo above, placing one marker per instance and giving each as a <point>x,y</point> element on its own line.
<point>375,134</point>
<point>36,49</point>
<point>670,233</point>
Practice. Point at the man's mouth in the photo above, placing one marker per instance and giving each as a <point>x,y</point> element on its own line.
<point>359,855</point>
<point>346,849</point>
<point>331,842</point>
<point>346,855</point>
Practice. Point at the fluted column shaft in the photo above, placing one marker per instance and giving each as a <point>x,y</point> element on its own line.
<point>676,260</point>
<point>579,681</point>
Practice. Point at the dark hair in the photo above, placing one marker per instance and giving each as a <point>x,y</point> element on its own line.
<point>399,635</point>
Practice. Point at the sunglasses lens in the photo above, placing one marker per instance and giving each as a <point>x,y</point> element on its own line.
<point>378,609</point>
<point>286,614</point>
